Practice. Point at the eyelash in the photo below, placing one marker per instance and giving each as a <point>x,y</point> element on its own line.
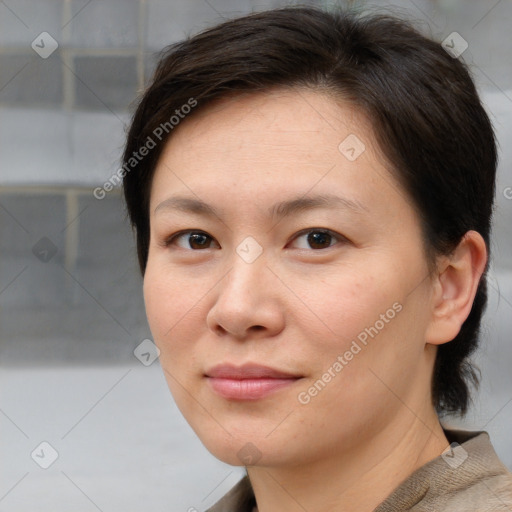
<point>340,238</point>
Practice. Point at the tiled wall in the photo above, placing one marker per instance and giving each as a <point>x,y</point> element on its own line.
<point>70,287</point>
<point>105,47</point>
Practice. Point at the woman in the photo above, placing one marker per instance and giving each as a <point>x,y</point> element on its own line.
<point>312,196</point>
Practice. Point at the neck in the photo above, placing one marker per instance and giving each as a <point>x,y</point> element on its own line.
<point>354,480</point>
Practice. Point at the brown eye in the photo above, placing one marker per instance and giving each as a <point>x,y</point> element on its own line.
<point>191,240</point>
<point>317,239</point>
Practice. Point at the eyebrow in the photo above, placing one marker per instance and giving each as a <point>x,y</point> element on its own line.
<point>279,210</point>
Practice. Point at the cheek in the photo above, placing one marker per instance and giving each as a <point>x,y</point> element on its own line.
<point>379,327</point>
<point>367,319</point>
<point>156,300</point>
<point>169,304</point>
<point>172,316</point>
<point>348,302</point>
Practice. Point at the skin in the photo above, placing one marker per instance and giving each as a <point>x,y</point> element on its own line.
<point>298,306</point>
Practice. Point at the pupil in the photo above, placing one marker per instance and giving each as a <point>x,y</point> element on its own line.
<point>318,238</point>
<point>197,238</point>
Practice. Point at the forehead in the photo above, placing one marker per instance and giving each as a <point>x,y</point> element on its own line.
<point>267,143</point>
<point>293,113</point>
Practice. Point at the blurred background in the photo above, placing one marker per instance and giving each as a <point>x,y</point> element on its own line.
<point>86,424</point>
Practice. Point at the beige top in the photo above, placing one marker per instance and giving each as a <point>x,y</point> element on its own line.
<point>470,478</point>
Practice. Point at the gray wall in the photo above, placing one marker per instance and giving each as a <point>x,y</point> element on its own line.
<point>71,310</point>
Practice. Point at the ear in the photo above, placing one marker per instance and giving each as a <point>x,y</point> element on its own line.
<point>454,288</point>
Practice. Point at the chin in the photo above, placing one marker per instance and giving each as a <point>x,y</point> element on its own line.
<point>242,453</point>
<point>238,449</point>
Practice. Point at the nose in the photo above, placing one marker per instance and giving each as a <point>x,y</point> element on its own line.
<point>247,304</point>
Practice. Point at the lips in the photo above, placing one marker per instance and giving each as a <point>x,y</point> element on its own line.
<point>248,382</point>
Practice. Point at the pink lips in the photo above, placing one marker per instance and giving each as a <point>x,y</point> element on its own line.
<point>247,382</point>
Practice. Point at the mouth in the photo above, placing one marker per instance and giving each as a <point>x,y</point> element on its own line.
<point>248,382</point>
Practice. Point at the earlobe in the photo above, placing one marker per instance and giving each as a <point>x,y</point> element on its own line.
<point>455,288</point>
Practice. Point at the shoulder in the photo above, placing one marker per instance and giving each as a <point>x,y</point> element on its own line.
<point>481,481</point>
<point>468,477</point>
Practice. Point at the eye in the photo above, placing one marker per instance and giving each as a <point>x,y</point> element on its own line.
<point>317,239</point>
<point>190,240</point>
<point>312,239</point>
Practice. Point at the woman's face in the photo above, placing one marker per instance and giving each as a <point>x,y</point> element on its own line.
<point>286,284</point>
